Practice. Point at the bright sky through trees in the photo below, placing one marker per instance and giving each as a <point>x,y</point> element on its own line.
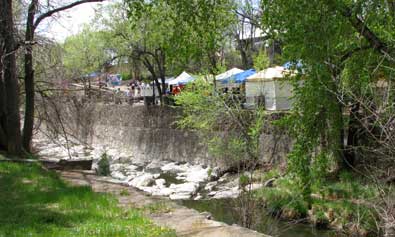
<point>70,22</point>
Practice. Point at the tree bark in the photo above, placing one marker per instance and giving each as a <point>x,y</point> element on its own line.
<point>12,118</point>
<point>3,114</point>
<point>29,78</point>
<point>352,137</point>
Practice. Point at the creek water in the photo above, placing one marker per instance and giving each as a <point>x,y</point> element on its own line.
<point>226,210</point>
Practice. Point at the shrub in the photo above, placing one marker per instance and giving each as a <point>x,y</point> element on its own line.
<point>104,165</point>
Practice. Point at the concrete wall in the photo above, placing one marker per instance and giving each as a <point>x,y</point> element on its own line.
<point>150,133</point>
<point>146,133</point>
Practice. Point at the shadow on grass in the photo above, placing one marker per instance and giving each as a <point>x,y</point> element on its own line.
<point>34,202</point>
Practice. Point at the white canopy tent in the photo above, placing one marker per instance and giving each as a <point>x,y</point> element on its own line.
<point>183,78</point>
<point>271,84</point>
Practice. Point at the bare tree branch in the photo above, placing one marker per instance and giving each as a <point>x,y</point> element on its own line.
<point>56,10</point>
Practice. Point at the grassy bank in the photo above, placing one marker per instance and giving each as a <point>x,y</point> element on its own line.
<point>34,202</point>
<point>342,204</point>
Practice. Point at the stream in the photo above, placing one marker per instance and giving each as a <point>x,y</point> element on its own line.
<point>188,184</point>
<point>226,210</point>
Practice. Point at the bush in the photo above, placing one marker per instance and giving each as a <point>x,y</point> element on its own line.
<point>126,76</point>
<point>104,165</point>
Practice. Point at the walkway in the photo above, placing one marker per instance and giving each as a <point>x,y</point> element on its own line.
<point>186,222</point>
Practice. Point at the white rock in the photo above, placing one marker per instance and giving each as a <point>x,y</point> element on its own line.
<point>117,167</point>
<point>118,175</point>
<point>163,191</point>
<point>142,180</point>
<point>155,176</point>
<point>198,197</point>
<point>190,188</point>
<point>160,182</point>
<point>172,168</point>
<point>212,193</point>
<point>156,164</point>
<point>197,174</point>
<point>178,196</point>
<point>209,186</point>
<point>232,193</point>
<point>255,186</point>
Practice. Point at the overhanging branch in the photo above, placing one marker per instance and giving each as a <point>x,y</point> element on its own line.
<point>56,10</point>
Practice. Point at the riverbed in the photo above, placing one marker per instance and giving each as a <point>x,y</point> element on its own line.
<point>192,185</point>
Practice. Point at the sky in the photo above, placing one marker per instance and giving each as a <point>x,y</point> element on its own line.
<point>67,23</point>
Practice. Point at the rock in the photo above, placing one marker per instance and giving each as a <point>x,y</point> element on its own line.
<point>142,180</point>
<point>156,164</point>
<point>117,167</point>
<point>269,183</point>
<point>172,168</point>
<point>155,176</point>
<point>179,196</point>
<point>231,193</point>
<point>160,182</point>
<point>198,197</point>
<point>118,175</point>
<point>224,177</point>
<point>214,174</point>
<point>207,215</point>
<point>209,186</point>
<point>190,188</point>
<point>196,174</point>
<point>255,186</point>
<point>164,192</point>
<point>212,193</point>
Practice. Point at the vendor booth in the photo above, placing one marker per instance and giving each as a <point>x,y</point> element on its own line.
<point>225,76</point>
<point>183,79</point>
<point>238,79</point>
<point>271,88</point>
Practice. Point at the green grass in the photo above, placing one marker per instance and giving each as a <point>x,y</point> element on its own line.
<point>341,201</point>
<point>34,202</point>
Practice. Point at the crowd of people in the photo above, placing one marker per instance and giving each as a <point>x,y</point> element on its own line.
<point>137,91</point>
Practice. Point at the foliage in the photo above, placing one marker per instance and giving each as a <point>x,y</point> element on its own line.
<point>104,165</point>
<point>126,76</point>
<point>228,129</point>
<point>343,202</point>
<point>35,202</point>
<point>85,52</point>
<point>340,63</point>
<point>261,60</point>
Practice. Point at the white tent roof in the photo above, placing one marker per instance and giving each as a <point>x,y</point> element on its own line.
<point>167,80</point>
<point>228,74</point>
<point>182,78</point>
<point>269,74</point>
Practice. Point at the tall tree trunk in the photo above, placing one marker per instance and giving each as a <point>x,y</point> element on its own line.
<point>29,78</point>
<point>3,114</point>
<point>12,128</point>
<point>352,138</point>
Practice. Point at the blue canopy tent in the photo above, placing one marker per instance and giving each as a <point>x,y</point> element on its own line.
<point>239,77</point>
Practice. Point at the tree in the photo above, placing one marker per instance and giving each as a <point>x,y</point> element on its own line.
<point>32,22</point>
<point>345,48</point>
<point>86,52</point>
<point>177,32</point>
<point>9,94</point>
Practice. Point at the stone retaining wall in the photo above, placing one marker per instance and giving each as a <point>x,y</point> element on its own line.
<point>150,133</point>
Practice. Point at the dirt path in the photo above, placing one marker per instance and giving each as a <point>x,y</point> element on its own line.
<point>185,221</point>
